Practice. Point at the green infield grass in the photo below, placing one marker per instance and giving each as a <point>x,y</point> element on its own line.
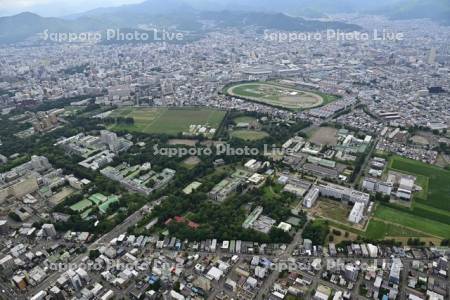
<point>279,96</point>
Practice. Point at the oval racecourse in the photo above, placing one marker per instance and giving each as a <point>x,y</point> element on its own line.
<point>276,95</point>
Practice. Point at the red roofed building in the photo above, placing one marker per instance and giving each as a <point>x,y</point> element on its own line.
<point>180,219</point>
<point>193,225</point>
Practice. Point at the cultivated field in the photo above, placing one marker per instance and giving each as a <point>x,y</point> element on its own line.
<point>412,221</point>
<point>379,230</point>
<point>438,179</point>
<point>277,95</point>
<point>429,214</point>
<point>169,121</point>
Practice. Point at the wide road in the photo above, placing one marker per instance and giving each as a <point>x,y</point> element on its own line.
<point>6,291</point>
<point>366,161</point>
<point>268,283</point>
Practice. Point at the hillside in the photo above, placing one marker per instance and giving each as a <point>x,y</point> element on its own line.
<point>27,25</point>
<point>438,10</point>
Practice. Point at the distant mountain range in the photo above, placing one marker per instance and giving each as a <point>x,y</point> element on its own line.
<point>292,7</point>
<point>148,8</point>
<point>277,21</point>
<point>190,15</point>
<point>22,26</point>
<point>437,10</point>
<point>173,14</point>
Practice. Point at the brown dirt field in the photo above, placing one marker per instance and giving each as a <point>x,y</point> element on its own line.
<point>324,136</point>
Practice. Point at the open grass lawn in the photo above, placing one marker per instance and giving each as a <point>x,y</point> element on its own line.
<point>378,230</point>
<point>424,182</point>
<point>81,205</point>
<point>169,121</point>
<point>343,227</point>
<point>244,120</point>
<point>272,191</point>
<point>412,221</point>
<point>249,135</point>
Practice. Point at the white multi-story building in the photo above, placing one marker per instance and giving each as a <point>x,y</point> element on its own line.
<point>311,197</point>
<point>369,184</point>
<point>385,188</point>
<point>356,213</point>
<point>110,138</point>
<point>343,193</point>
<point>40,163</point>
<point>374,185</point>
<point>405,189</point>
<point>49,229</point>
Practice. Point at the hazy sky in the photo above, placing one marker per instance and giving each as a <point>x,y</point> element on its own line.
<point>56,7</point>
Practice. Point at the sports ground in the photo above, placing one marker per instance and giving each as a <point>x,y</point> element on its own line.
<point>170,121</point>
<point>324,136</point>
<point>278,96</point>
<point>249,135</point>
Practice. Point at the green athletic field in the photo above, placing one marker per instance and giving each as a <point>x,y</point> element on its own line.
<point>169,121</point>
<point>249,135</point>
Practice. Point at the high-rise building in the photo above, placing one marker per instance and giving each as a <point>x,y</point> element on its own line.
<point>111,139</point>
<point>3,226</point>
<point>396,268</point>
<point>40,163</point>
<point>311,197</point>
<point>49,230</point>
<point>351,273</point>
<point>356,213</point>
<point>7,264</point>
<point>343,193</point>
<point>432,56</point>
